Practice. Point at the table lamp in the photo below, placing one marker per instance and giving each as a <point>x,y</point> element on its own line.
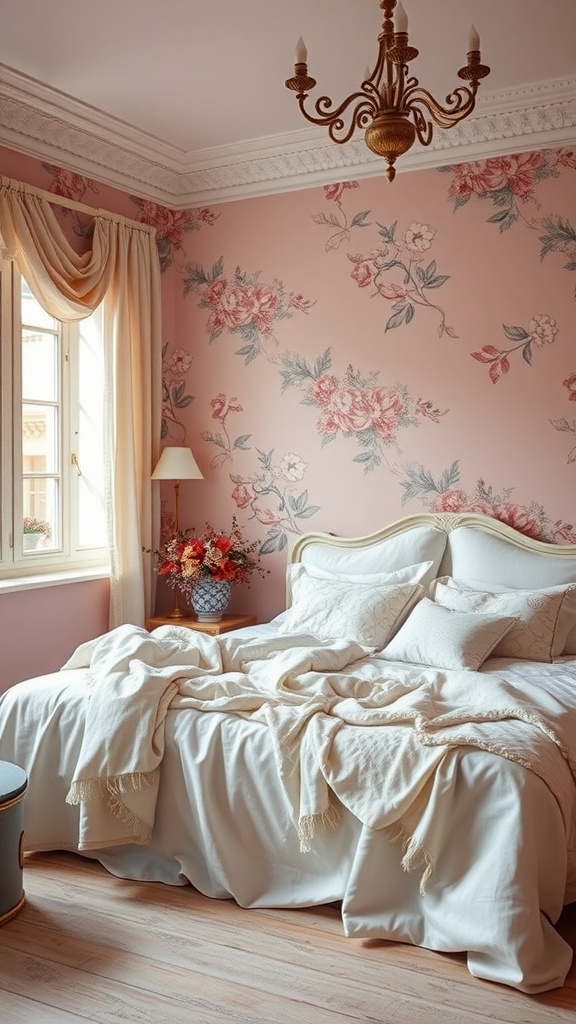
<point>176,463</point>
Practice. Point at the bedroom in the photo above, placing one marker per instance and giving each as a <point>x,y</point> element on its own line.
<point>454,437</point>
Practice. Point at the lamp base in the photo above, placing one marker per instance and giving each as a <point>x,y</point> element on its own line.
<point>176,613</point>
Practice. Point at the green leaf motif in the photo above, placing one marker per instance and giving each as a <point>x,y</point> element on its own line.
<point>275,541</point>
<point>437,282</point>
<point>388,234</point>
<point>242,442</point>
<point>515,333</point>
<point>359,220</point>
<point>397,319</point>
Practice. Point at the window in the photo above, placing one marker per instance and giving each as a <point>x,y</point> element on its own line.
<point>51,432</point>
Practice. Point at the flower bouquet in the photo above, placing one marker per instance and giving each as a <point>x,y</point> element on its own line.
<point>186,559</point>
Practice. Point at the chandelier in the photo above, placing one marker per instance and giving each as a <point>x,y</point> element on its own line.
<point>391,107</point>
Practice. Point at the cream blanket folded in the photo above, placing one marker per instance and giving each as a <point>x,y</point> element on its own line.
<point>343,724</point>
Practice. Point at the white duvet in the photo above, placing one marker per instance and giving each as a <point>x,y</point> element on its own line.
<point>325,774</point>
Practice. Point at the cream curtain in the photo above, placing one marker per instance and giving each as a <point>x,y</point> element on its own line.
<point>122,270</point>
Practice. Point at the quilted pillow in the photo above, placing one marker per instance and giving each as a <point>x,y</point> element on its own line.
<point>338,609</point>
<point>544,617</point>
<point>441,638</point>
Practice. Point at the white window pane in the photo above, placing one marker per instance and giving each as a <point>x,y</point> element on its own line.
<point>39,366</point>
<point>40,440</point>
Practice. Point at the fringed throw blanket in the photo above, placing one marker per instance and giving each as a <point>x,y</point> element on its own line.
<point>343,725</point>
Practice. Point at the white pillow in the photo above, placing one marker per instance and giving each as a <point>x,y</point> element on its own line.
<point>544,617</point>
<point>338,609</point>
<point>408,574</point>
<point>442,638</point>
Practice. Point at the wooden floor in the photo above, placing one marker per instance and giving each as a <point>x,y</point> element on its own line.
<point>88,947</point>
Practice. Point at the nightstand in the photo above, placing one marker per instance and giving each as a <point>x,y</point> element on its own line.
<point>226,623</point>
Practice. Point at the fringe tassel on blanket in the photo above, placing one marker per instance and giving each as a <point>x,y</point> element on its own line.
<point>311,824</point>
<point>111,790</point>
<point>414,854</point>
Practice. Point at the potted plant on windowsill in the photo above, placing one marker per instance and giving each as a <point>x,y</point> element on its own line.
<point>34,531</point>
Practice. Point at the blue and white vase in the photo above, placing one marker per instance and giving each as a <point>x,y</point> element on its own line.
<point>210,599</point>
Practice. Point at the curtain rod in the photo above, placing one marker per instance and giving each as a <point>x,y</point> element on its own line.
<point>72,204</point>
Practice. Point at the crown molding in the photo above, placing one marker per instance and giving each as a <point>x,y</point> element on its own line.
<point>52,126</point>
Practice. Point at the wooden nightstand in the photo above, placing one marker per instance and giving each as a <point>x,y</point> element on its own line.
<point>226,623</point>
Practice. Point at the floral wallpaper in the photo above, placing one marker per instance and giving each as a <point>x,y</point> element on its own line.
<point>341,356</point>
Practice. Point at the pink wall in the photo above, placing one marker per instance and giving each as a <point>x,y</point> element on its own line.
<point>39,629</point>
<point>338,357</point>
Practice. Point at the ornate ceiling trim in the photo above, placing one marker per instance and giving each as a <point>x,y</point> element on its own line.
<point>54,127</point>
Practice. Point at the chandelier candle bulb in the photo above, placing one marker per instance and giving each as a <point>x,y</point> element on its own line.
<point>473,40</point>
<point>301,51</point>
<point>401,20</point>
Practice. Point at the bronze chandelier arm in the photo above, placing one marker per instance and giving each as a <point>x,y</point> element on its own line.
<point>366,109</point>
<point>422,105</point>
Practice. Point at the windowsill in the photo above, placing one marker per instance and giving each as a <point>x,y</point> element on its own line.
<point>54,579</point>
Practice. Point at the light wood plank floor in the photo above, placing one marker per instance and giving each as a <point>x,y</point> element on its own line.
<point>88,947</point>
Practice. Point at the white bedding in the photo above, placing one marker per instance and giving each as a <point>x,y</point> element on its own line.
<point>226,802</point>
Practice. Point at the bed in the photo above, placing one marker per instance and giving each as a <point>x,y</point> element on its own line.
<point>401,740</point>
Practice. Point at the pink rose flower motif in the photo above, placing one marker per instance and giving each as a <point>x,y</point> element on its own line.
<point>570,383</point>
<point>335,190</point>
<point>392,291</point>
<point>237,307</point>
<point>483,507</point>
<point>221,406</point>
<point>323,388</point>
<point>266,516</point>
<point>242,496</point>
<point>215,322</point>
<point>468,179</point>
<point>519,518</point>
<point>265,302</point>
<point>516,172</point>
<point>386,408</point>
<point>214,291</point>
<point>450,501</point>
<point>327,423</point>
<point>351,409</point>
<point>68,184</point>
<point>419,237</point>
<point>362,274</point>
<point>170,224</point>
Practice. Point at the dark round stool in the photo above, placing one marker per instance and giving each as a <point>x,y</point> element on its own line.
<point>13,783</point>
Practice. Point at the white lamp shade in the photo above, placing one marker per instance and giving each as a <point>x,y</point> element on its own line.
<point>177,464</point>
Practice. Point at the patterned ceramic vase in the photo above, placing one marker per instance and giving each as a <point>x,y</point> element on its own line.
<point>210,599</point>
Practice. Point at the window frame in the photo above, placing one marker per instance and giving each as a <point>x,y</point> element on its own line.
<point>69,556</point>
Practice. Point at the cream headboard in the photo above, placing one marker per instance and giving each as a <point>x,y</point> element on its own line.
<point>465,545</point>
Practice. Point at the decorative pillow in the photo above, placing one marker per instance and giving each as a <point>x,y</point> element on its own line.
<point>335,609</point>
<point>442,638</point>
<point>544,617</point>
<point>408,574</point>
